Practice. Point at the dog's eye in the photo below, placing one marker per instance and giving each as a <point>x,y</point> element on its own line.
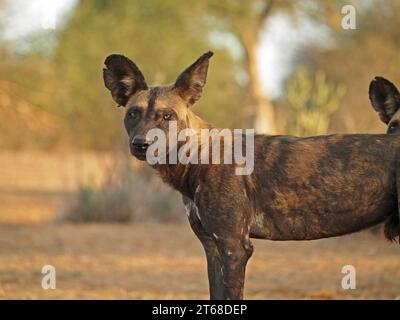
<point>134,114</point>
<point>167,116</point>
<point>393,127</point>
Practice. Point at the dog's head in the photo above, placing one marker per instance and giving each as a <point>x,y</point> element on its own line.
<point>153,107</point>
<point>385,99</point>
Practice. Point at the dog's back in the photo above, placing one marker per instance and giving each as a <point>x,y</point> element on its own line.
<point>323,186</point>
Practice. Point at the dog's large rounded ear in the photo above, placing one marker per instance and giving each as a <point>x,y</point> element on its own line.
<point>384,97</point>
<point>189,85</point>
<point>123,78</point>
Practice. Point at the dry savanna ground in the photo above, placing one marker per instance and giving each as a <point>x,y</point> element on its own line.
<point>160,261</point>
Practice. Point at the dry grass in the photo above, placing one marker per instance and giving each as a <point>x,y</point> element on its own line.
<point>153,261</point>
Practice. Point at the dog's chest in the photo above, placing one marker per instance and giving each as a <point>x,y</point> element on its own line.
<point>192,211</point>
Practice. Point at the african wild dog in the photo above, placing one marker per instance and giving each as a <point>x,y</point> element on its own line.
<point>385,99</point>
<point>300,189</point>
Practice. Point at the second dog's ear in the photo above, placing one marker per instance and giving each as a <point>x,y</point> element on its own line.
<point>385,98</point>
<point>123,78</point>
<point>189,85</point>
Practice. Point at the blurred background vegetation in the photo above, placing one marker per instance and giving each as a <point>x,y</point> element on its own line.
<point>52,98</point>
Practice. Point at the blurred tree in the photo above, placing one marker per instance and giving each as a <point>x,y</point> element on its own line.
<point>355,57</point>
<point>26,118</point>
<point>311,100</point>
<point>246,20</point>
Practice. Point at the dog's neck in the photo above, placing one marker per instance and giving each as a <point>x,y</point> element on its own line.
<point>182,177</point>
<point>193,121</point>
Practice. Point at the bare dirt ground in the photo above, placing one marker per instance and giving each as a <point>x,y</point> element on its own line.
<point>150,261</point>
<point>146,261</point>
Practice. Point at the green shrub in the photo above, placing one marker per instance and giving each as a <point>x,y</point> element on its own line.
<point>312,100</point>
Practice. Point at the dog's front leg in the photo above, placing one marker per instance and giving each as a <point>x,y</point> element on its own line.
<point>235,252</point>
<point>214,264</point>
<point>230,230</point>
<point>225,238</point>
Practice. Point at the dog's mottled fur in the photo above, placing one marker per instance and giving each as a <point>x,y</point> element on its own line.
<point>300,189</point>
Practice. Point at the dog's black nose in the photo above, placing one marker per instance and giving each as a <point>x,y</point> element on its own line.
<point>140,143</point>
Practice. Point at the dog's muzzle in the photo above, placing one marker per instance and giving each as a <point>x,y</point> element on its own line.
<point>139,147</point>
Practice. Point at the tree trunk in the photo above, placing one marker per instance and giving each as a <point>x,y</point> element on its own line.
<point>264,115</point>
